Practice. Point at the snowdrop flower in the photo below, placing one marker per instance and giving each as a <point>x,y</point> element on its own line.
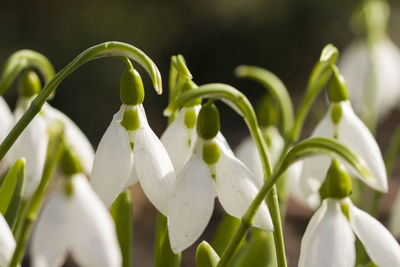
<point>75,221</point>
<point>210,170</point>
<point>6,121</point>
<point>130,151</point>
<point>341,123</point>
<point>329,238</point>
<point>355,65</point>
<point>179,137</point>
<point>7,242</point>
<point>394,220</point>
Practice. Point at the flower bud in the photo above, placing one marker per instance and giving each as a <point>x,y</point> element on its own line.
<point>29,84</point>
<point>131,88</point>
<point>208,123</point>
<point>337,90</point>
<point>337,183</point>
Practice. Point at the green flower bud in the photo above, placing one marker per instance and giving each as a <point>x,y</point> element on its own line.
<point>189,85</point>
<point>211,153</point>
<point>208,123</point>
<point>337,183</point>
<point>336,113</point>
<point>130,120</point>
<point>29,84</point>
<point>206,256</point>
<point>131,88</point>
<point>70,163</point>
<point>267,113</point>
<point>337,90</point>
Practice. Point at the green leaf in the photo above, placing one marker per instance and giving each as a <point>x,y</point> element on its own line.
<point>206,256</point>
<point>11,191</point>
<point>163,255</point>
<point>277,89</point>
<point>258,252</point>
<point>225,232</point>
<point>121,211</point>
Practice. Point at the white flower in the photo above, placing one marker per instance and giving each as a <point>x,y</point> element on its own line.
<point>197,185</point>
<point>74,136</point>
<point>329,239</point>
<point>180,135</point>
<point>31,145</point>
<point>247,153</point>
<point>123,157</point>
<point>394,220</point>
<point>354,134</point>
<point>355,65</point>
<point>6,121</point>
<point>7,242</point>
<point>75,221</point>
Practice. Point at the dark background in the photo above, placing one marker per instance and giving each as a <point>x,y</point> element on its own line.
<point>215,36</point>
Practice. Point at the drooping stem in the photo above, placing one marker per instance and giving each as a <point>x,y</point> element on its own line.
<point>107,49</point>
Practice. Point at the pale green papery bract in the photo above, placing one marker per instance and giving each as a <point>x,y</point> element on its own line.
<point>192,198</point>
<point>6,121</point>
<point>178,140</point>
<point>355,66</point>
<point>7,242</point>
<point>117,166</point>
<point>353,133</point>
<point>75,221</point>
<point>329,238</point>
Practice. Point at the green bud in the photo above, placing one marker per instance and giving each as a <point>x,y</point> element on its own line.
<point>206,256</point>
<point>211,153</point>
<point>189,85</point>
<point>70,163</point>
<point>336,113</point>
<point>29,84</point>
<point>337,90</point>
<point>267,113</point>
<point>337,183</point>
<point>131,88</point>
<point>190,118</point>
<point>208,123</point>
<point>130,120</point>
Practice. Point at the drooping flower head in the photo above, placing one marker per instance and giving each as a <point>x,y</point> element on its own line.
<point>329,238</point>
<point>342,124</point>
<point>130,151</point>
<point>210,170</point>
<point>75,221</point>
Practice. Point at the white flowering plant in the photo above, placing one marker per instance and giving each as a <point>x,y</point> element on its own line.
<point>88,215</point>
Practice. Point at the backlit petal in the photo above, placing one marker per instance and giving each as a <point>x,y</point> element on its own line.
<point>7,242</point>
<point>379,243</point>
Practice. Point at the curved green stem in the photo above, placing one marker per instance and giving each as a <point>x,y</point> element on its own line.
<point>107,49</point>
<point>277,89</point>
<point>21,60</point>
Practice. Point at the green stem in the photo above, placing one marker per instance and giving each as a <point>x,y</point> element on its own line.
<point>106,49</point>
<point>54,152</point>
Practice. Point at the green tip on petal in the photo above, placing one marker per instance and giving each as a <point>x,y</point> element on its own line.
<point>211,153</point>
<point>130,120</point>
<point>131,88</point>
<point>208,124</point>
<point>70,163</point>
<point>337,183</point>
<point>336,113</point>
<point>29,84</point>
<point>337,90</point>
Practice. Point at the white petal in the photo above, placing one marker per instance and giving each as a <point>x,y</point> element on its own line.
<point>6,119</point>
<point>178,139</point>
<point>248,154</point>
<point>153,165</point>
<point>74,136</point>
<point>31,145</point>
<point>7,242</point>
<point>379,243</point>
<point>93,239</point>
<point>112,163</point>
<point>192,202</point>
<point>353,133</point>
<point>236,190</point>
<point>329,240</point>
<point>51,237</point>
<point>394,221</point>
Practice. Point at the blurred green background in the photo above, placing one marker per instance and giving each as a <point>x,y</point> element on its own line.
<point>215,36</point>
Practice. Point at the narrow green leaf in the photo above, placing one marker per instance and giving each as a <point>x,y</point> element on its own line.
<point>121,211</point>
<point>258,252</point>
<point>163,254</point>
<point>206,256</point>
<point>11,191</point>
<point>225,232</point>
